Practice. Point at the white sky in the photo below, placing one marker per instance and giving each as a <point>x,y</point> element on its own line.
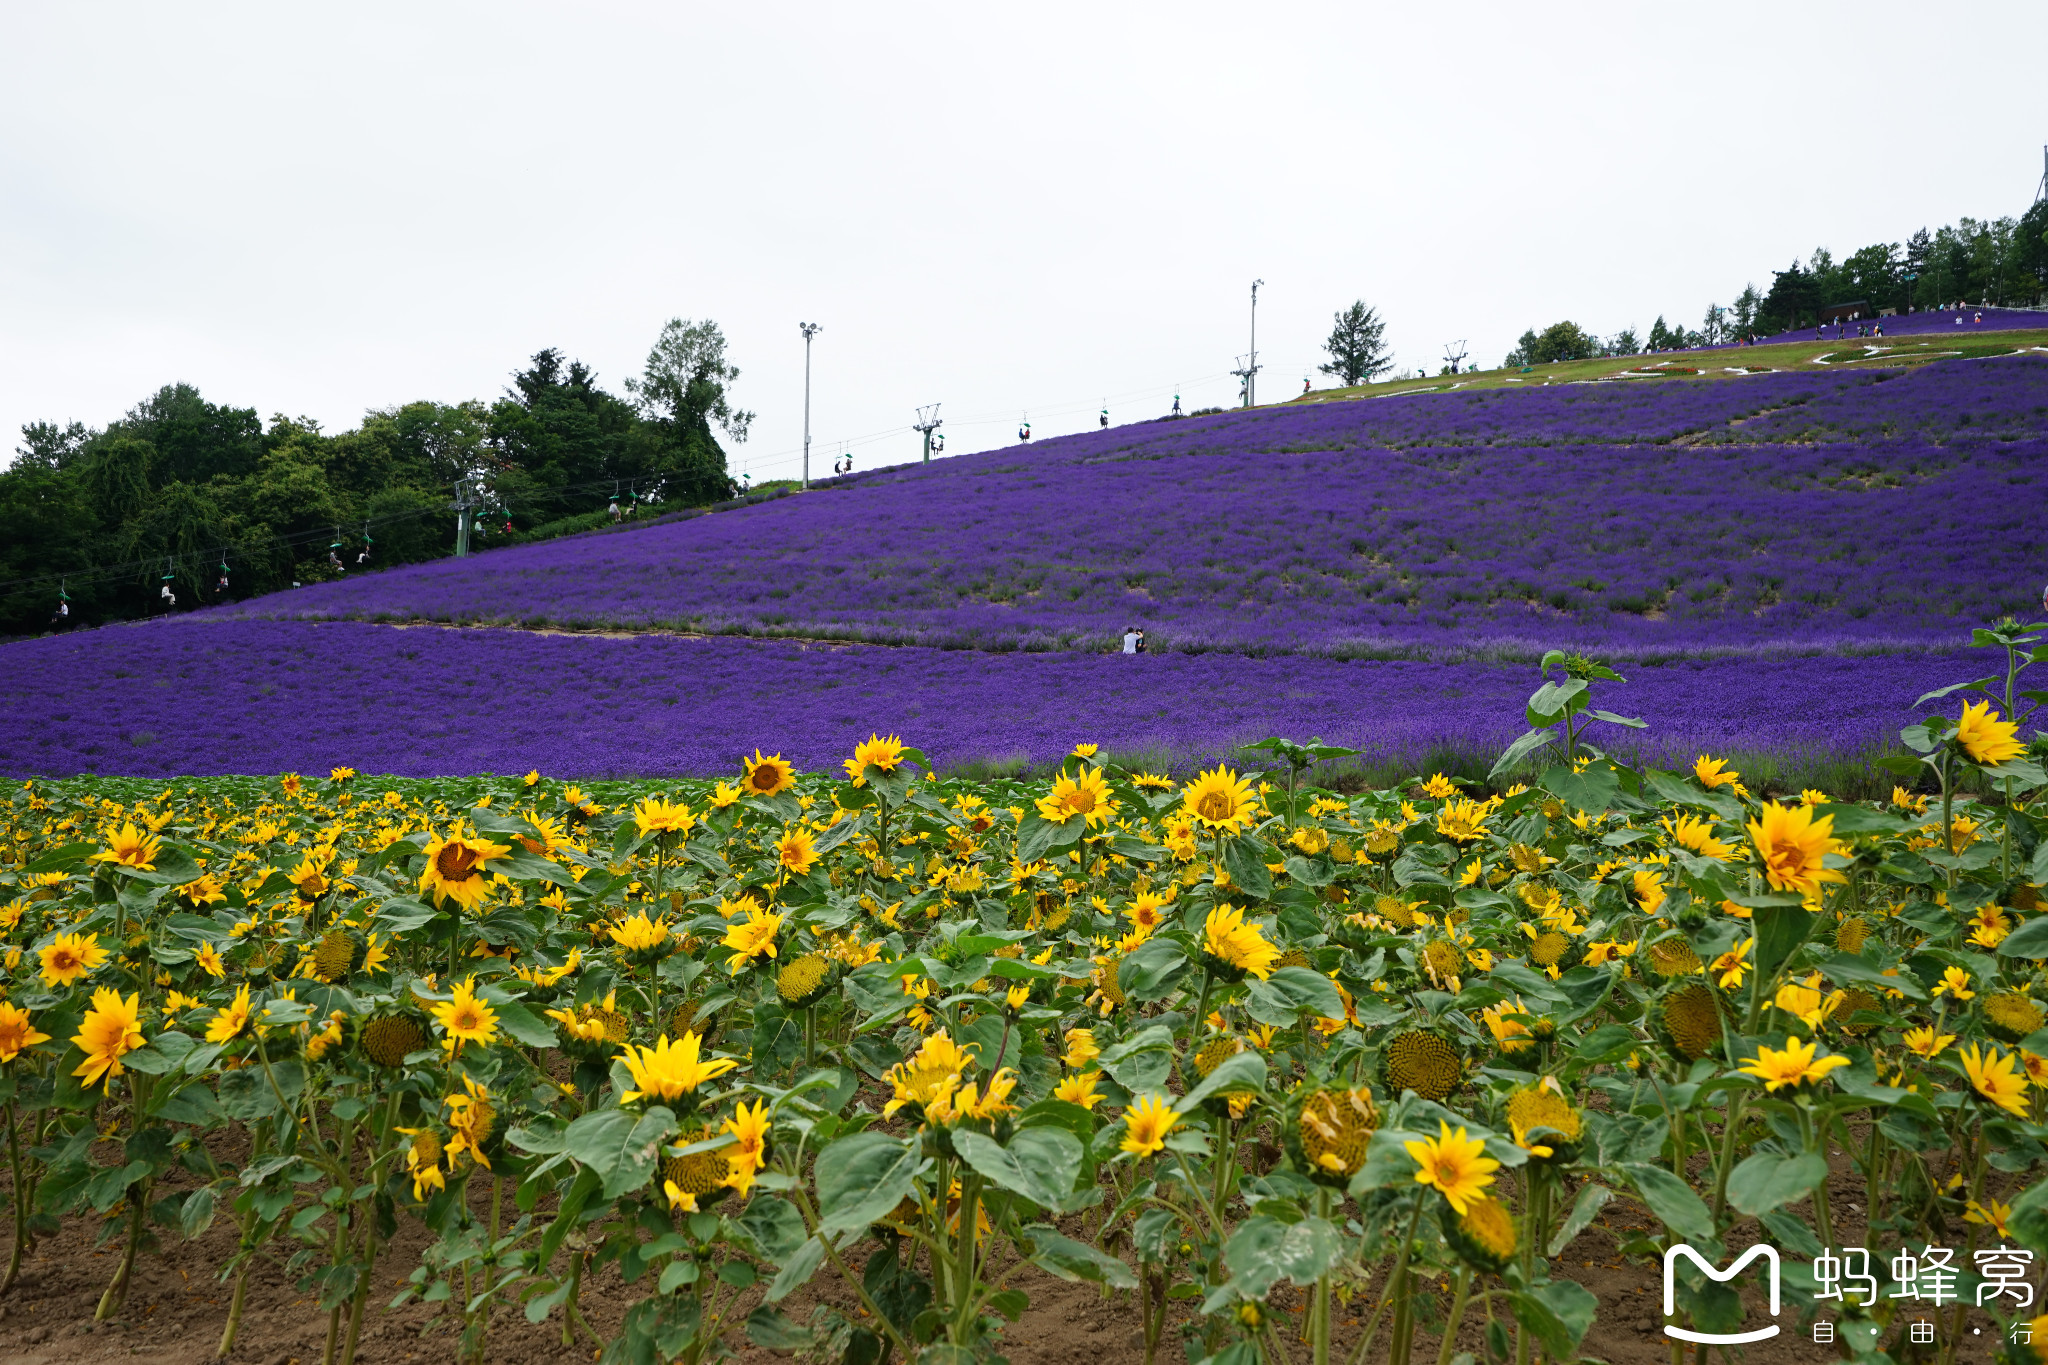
<point>322,210</point>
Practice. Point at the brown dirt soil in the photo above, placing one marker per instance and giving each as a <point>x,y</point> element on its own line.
<point>176,1309</point>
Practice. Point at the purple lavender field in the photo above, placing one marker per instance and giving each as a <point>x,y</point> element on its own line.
<point>1653,519</point>
<point>1955,322</point>
<point>197,697</point>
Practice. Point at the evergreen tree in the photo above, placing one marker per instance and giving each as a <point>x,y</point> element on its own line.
<point>1357,346</point>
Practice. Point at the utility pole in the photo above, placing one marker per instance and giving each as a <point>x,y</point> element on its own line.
<point>927,422</point>
<point>810,329</point>
<point>1251,379</point>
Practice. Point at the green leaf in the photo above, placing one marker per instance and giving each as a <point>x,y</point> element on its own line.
<point>1039,1163</point>
<point>1673,1201</point>
<point>1244,1071</point>
<point>174,867</point>
<point>518,1020</point>
<point>400,915</point>
<point>1764,1181</point>
<point>1264,1250</point>
<point>774,1227</point>
<point>1558,1312</point>
<point>1290,992</point>
<point>1245,859</point>
<point>1780,929</point>
<point>1152,971</point>
<point>796,1271</point>
<point>1592,791</point>
<point>1670,787</point>
<point>1037,836</point>
<point>1519,750</point>
<point>1141,1063</point>
<point>57,859</point>
<point>1550,703</point>
<point>862,1177</point>
<point>1063,1257</point>
<point>2030,940</point>
<point>620,1148</point>
<point>195,1215</point>
<point>1593,1197</point>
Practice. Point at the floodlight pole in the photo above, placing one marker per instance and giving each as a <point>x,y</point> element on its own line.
<point>1251,379</point>
<point>809,329</point>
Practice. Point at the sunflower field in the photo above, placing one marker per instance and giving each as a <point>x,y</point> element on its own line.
<point>850,1064</point>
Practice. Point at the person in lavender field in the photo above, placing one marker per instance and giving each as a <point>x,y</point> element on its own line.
<point>1131,639</point>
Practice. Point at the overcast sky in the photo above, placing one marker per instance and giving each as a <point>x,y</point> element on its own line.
<point>1027,209</point>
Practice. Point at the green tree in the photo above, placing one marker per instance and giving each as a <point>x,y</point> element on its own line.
<point>1357,345</point>
<point>1624,342</point>
<point>681,392</point>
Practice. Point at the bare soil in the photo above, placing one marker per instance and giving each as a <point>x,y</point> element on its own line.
<point>176,1310</point>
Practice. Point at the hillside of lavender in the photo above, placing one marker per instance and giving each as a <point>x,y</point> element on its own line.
<point>1781,565</point>
<point>1647,519</point>
<point>193,696</point>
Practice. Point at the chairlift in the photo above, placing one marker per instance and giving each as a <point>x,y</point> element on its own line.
<point>364,557</point>
<point>1176,408</point>
<point>1024,428</point>
<point>1104,418</point>
<point>938,442</point>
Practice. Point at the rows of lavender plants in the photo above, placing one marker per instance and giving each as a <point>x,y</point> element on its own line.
<point>203,697</point>
<point>1655,520</point>
<point>1955,322</point>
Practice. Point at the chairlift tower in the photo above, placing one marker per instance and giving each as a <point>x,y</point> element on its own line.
<point>1454,354</point>
<point>927,422</point>
<point>463,506</point>
<point>1244,373</point>
<point>2042,191</point>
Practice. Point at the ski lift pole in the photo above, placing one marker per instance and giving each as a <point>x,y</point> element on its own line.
<point>928,422</point>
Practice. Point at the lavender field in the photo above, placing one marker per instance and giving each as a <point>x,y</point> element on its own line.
<point>201,697</point>
<point>1653,519</point>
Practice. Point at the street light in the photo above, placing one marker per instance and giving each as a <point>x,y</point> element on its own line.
<point>809,329</point>
<point>1251,379</point>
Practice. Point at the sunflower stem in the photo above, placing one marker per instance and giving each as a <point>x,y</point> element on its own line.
<point>1457,1317</point>
<point>1319,1326</point>
<point>20,1200</point>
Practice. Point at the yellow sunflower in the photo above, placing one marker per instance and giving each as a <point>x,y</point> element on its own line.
<point>795,852</point>
<point>1791,843</point>
<point>467,1018</point>
<point>752,937</point>
<point>67,957</point>
<point>130,847</point>
<point>110,1031</point>
<point>767,776</point>
<point>1985,738</point>
<point>1085,793</point>
<point>1238,946</point>
<point>455,869</point>
<point>874,752</point>
<point>1219,800</point>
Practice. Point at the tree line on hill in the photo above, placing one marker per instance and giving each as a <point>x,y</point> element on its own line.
<point>1999,262</point>
<point>209,503</point>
